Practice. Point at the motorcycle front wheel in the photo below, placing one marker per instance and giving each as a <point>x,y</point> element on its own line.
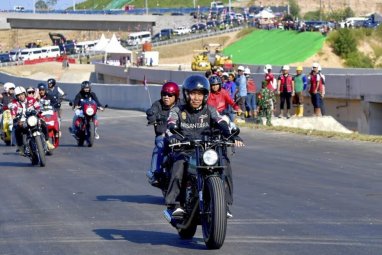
<point>38,153</point>
<point>214,219</point>
<point>91,133</point>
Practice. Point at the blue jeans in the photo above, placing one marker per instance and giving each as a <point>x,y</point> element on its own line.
<point>157,156</point>
<point>250,102</point>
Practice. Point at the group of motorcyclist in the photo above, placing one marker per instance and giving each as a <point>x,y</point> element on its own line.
<point>19,100</point>
<point>200,110</point>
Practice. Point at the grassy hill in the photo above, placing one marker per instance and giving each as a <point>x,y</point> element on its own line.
<point>116,4</point>
<point>275,47</point>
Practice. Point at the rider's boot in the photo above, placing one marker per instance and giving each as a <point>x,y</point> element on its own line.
<point>50,145</point>
<point>21,150</point>
<point>96,135</point>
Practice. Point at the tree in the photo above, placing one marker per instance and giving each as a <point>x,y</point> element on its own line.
<point>41,5</point>
<point>294,8</point>
<point>344,43</point>
<point>348,12</point>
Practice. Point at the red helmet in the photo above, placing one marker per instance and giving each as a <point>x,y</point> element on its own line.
<point>171,88</point>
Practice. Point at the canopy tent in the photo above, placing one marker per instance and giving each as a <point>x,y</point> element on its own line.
<point>264,14</point>
<point>115,48</point>
<point>102,43</point>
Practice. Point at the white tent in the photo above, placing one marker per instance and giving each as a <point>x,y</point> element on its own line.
<point>116,49</point>
<point>102,43</point>
<point>264,14</point>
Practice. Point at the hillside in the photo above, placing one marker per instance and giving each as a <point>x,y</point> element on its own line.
<point>264,47</point>
<point>360,7</point>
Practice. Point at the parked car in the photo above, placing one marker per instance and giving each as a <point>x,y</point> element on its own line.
<point>4,57</point>
<point>182,31</point>
<point>198,27</point>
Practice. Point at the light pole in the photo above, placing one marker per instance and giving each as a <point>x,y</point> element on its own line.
<point>147,9</point>
<point>74,5</point>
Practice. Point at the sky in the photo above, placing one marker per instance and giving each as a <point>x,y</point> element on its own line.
<point>28,4</point>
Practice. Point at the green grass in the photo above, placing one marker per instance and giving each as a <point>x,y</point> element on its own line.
<point>275,47</point>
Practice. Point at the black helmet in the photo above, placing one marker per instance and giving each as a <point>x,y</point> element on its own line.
<point>196,82</point>
<point>85,84</point>
<point>51,82</point>
<point>214,79</point>
<point>41,86</point>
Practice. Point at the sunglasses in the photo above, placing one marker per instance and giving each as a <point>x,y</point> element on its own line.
<point>163,94</point>
<point>30,92</point>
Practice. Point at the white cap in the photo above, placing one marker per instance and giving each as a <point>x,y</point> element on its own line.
<point>225,74</point>
<point>285,67</point>
<point>267,67</point>
<point>247,71</point>
<point>315,64</point>
<point>240,68</point>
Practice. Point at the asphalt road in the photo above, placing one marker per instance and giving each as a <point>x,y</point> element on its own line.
<point>293,195</point>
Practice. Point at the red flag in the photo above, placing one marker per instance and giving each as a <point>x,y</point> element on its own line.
<point>145,82</point>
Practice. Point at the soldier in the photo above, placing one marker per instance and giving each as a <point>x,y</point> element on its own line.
<point>266,101</point>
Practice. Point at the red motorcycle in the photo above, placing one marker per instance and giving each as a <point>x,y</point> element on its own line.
<point>86,123</point>
<point>51,119</point>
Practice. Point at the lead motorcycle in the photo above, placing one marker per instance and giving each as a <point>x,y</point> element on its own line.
<point>204,196</point>
<point>86,123</point>
<point>6,125</point>
<point>34,139</point>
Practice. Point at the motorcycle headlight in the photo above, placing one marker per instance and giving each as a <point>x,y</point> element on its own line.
<point>89,111</point>
<point>32,121</point>
<point>210,157</point>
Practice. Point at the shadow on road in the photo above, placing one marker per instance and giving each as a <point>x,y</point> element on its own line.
<point>150,237</point>
<point>139,199</point>
<point>15,164</point>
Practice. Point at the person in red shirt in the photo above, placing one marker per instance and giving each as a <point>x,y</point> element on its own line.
<point>270,78</point>
<point>219,98</point>
<point>250,101</point>
<point>19,107</point>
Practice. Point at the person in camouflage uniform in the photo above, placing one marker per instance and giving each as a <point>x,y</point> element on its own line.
<point>266,100</point>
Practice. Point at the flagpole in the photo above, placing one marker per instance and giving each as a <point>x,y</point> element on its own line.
<point>148,92</point>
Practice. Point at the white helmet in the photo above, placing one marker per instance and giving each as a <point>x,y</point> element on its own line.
<point>8,86</point>
<point>315,64</point>
<point>247,70</point>
<point>267,67</point>
<point>285,67</point>
<point>19,90</point>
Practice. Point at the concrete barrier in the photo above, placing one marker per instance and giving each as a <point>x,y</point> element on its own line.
<point>353,100</point>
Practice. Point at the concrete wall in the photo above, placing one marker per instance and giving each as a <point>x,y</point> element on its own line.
<point>354,100</point>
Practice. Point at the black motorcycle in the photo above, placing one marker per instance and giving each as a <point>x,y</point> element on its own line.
<point>34,139</point>
<point>204,196</point>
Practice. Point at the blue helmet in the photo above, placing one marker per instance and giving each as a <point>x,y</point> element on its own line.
<point>196,82</point>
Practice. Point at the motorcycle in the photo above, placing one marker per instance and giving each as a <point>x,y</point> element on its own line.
<point>34,139</point>
<point>204,196</point>
<point>50,117</point>
<point>6,125</point>
<point>86,123</point>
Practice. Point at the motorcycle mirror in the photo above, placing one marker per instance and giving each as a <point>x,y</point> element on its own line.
<point>70,103</point>
<point>175,130</point>
<point>106,106</point>
<point>236,131</point>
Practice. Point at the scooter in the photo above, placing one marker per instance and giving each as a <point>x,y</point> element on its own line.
<point>6,126</point>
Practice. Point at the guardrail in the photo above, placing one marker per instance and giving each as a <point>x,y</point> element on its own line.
<point>192,36</point>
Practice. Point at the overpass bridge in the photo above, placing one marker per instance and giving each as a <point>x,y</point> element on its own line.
<point>86,22</point>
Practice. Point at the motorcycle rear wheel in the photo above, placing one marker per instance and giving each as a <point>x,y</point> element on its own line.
<point>214,219</point>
